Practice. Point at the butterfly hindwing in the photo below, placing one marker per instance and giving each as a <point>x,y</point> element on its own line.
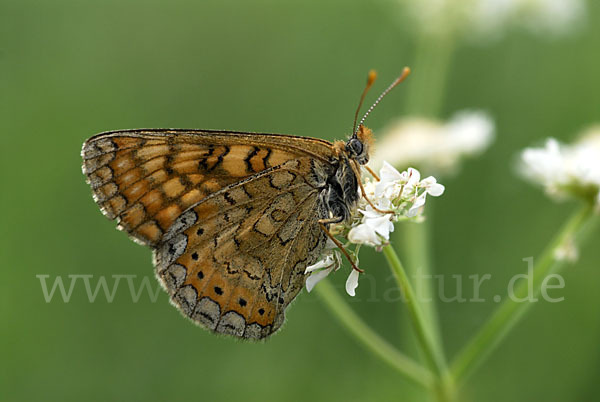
<point>234,261</point>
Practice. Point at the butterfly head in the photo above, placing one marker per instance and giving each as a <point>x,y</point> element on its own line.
<point>359,145</point>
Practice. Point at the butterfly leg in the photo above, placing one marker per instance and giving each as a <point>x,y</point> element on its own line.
<point>372,173</point>
<point>322,224</point>
<point>356,170</point>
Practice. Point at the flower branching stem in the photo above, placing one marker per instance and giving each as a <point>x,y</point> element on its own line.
<point>508,314</point>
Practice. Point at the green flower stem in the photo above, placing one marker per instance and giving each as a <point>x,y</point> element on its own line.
<point>508,314</point>
<point>379,346</point>
<point>416,246</point>
<point>426,88</point>
<point>433,353</point>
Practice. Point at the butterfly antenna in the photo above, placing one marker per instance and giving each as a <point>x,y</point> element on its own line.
<point>370,80</point>
<point>402,77</point>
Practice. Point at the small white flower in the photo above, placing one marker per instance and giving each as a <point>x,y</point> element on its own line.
<point>319,270</point>
<point>434,146</point>
<point>566,170</point>
<point>352,282</point>
<point>364,234</point>
<point>432,187</point>
<point>374,229</point>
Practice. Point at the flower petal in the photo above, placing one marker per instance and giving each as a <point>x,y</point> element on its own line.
<point>432,186</point>
<point>352,283</point>
<point>381,225</point>
<point>414,176</point>
<point>436,190</point>
<point>317,277</point>
<point>419,202</point>
<point>323,263</point>
<point>369,213</point>
<point>389,173</point>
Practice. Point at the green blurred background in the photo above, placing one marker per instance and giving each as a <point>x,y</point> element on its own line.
<point>69,69</point>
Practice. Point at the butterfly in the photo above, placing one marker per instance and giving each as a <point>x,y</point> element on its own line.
<point>233,218</point>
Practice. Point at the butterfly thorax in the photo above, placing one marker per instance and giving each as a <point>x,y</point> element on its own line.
<point>339,194</point>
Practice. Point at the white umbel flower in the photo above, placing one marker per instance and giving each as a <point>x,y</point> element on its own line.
<point>484,19</point>
<point>554,17</point>
<point>396,196</point>
<point>566,170</point>
<point>434,146</point>
<point>404,194</point>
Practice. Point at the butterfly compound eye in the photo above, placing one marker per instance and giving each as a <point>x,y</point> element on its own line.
<point>355,147</point>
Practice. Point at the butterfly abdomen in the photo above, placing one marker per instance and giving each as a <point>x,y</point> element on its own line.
<point>341,192</point>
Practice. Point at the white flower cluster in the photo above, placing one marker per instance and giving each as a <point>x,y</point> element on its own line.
<point>566,170</point>
<point>539,16</point>
<point>489,18</point>
<point>434,146</point>
<point>402,193</point>
<point>396,196</point>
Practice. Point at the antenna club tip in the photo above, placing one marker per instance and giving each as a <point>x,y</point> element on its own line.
<point>371,77</point>
<point>405,73</point>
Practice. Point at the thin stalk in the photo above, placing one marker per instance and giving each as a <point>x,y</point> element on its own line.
<point>508,314</point>
<point>432,352</point>
<point>432,62</point>
<point>416,242</point>
<point>375,343</point>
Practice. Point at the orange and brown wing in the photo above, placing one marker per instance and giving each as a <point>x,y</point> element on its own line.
<point>147,178</point>
<point>234,261</point>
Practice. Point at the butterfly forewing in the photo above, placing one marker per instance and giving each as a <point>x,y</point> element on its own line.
<point>147,178</point>
<point>233,217</point>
